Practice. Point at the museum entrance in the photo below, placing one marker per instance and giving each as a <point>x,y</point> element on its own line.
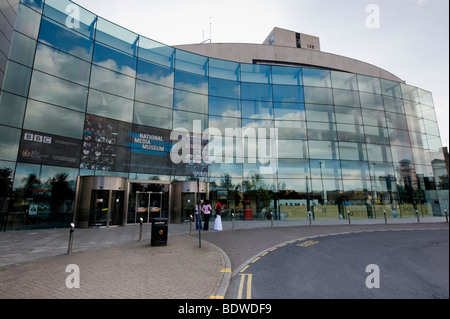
<point>146,200</point>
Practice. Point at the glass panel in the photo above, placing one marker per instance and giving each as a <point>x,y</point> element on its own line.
<point>223,123</point>
<point>50,119</point>
<point>116,36</point>
<point>410,93</point>
<point>355,170</point>
<point>322,113</point>
<point>291,129</point>
<point>376,135</point>
<point>292,149</point>
<point>256,91</point>
<point>353,151</point>
<point>17,79</point>
<point>22,49</point>
<point>156,52</point>
<point>323,150</point>
<point>63,65</point>
<point>224,107</point>
<point>190,102</point>
<point>347,98</point>
<point>429,113</point>
<point>47,88</point>
<point>289,111</point>
<point>371,101</point>
<point>396,121</point>
<point>35,4</point>
<point>114,60</point>
<point>426,97</point>
<point>293,168</point>
<point>342,80</point>
<point>110,106</point>
<point>12,109</point>
<point>287,75</point>
<point>224,69</point>
<point>154,94</point>
<point>155,73</point>
<point>151,115</point>
<point>315,77</point>
<point>224,88</point>
<point>257,110</point>
<point>348,115</point>
<point>28,21</point>
<point>379,153</point>
<point>393,105</point>
<point>412,108</point>
<point>65,39</point>
<point>399,137</point>
<point>431,128</point>
<point>322,131</point>
<point>256,73</point>
<point>318,95</point>
<point>191,62</point>
<point>374,118</point>
<point>285,93</point>
<point>112,82</point>
<point>9,143</point>
<point>191,82</point>
<point>350,133</point>
<point>186,119</point>
<point>59,11</point>
<point>369,84</point>
<point>401,155</point>
<point>391,88</point>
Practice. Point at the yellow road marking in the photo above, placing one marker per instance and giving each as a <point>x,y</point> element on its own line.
<point>249,286</point>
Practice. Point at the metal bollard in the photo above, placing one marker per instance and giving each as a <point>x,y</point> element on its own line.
<point>349,214</point>
<point>385,217</point>
<point>141,222</point>
<point>190,226</point>
<point>271,219</point>
<point>417,215</point>
<point>72,229</point>
<point>232,220</point>
<point>310,217</point>
<point>446,215</point>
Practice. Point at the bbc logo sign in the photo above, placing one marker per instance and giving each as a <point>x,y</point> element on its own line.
<point>37,138</point>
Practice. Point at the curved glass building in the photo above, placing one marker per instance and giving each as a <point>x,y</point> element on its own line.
<point>101,126</point>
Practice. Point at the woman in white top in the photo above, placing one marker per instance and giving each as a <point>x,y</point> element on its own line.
<point>206,209</point>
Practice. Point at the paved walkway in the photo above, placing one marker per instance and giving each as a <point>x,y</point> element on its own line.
<point>114,264</point>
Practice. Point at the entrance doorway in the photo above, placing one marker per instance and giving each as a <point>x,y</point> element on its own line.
<point>184,199</point>
<point>106,208</point>
<point>148,205</point>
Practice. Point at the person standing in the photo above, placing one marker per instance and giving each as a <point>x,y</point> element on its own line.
<point>206,209</point>
<point>218,220</point>
<point>198,222</point>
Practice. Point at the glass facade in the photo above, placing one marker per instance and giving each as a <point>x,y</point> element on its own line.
<point>84,97</point>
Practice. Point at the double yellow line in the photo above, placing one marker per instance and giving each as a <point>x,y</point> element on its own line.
<point>249,286</point>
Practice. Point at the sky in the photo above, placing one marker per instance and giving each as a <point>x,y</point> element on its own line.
<point>410,39</point>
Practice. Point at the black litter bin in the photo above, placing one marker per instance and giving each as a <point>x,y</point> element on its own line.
<point>160,228</point>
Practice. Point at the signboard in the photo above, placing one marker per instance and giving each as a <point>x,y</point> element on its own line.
<point>38,148</point>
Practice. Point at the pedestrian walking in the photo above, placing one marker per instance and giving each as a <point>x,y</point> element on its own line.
<point>206,209</point>
<point>218,217</point>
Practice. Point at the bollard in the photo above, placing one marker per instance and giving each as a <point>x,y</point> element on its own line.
<point>72,229</point>
<point>190,226</point>
<point>446,215</point>
<point>385,217</point>
<point>271,219</point>
<point>141,222</point>
<point>232,220</point>
<point>309,217</point>
<point>417,214</point>
<point>349,214</point>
